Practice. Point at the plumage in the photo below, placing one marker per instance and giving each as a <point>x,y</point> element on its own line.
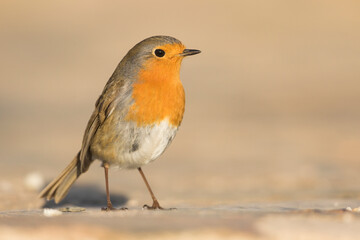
<point>136,116</point>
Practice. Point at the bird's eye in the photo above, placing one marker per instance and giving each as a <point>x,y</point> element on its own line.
<point>159,52</point>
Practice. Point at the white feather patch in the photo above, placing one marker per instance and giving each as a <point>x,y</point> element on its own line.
<point>151,146</point>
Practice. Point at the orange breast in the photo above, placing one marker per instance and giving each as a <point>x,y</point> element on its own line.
<point>158,94</point>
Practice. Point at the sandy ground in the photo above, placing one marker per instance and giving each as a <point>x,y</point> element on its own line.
<point>269,147</point>
<point>257,221</point>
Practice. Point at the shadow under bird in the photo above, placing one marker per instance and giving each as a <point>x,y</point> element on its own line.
<point>135,118</point>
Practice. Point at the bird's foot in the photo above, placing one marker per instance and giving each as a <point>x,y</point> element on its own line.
<point>155,206</point>
<point>111,208</point>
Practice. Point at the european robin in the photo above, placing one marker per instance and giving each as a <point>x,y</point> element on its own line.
<point>135,118</point>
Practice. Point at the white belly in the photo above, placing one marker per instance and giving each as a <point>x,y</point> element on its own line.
<point>151,144</point>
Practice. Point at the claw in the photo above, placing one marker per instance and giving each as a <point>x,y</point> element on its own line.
<point>111,208</point>
<point>155,206</point>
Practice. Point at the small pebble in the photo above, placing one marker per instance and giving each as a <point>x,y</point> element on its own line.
<point>48,212</point>
<point>348,209</point>
<point>356,209</point>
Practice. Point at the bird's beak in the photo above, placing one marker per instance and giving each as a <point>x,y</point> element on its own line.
<point>188,52</point>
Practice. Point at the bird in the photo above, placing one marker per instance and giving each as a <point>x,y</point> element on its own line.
<point>135,118</point>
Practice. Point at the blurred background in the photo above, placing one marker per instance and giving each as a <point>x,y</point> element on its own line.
<point>273,100</point>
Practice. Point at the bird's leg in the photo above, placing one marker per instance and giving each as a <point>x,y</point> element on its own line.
<point>109,204</point>
<point>155,204</point>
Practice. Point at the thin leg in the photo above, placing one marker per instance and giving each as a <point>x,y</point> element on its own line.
<point>109,204</point>
<point>155,204</point>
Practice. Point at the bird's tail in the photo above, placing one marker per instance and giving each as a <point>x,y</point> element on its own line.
<point>60,186</point>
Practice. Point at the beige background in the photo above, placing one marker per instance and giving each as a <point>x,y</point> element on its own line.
<point>272,110</point>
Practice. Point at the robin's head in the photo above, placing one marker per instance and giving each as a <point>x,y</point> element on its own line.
<point>162,48</point>
<point>159,52</point>
<point>154,67</point>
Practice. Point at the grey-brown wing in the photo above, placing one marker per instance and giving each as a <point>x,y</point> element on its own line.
<point>104,106</point>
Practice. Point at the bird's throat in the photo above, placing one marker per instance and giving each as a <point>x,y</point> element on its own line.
<point>158,94</point>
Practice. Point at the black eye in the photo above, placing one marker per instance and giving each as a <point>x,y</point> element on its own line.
<point>159,52</point>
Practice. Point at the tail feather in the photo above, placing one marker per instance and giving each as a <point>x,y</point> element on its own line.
<point>60,186</point>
